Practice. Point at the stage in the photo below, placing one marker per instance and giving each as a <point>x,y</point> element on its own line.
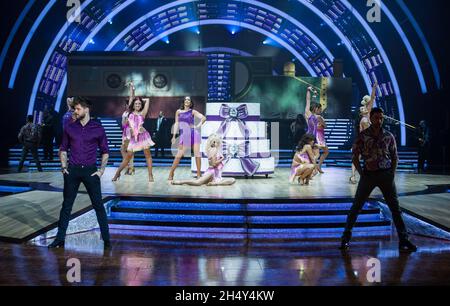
<point>156,260</point>
<point>133,261</point>
<point>25,215</point>
<point>333,184</point>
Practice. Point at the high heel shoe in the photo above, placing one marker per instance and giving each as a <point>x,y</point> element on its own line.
<point>352,180</point>
<point>116,178</point>
<point>56,244</point>
<point>130,171</point>
<point>151,179</point>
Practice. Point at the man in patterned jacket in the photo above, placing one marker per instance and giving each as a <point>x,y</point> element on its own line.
<point>378,149</point>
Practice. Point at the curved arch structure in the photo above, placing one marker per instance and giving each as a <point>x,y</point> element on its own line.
<point>258,16</point>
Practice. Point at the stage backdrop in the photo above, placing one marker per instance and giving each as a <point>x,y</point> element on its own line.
<point>165,80</point>
<point>284,97</point>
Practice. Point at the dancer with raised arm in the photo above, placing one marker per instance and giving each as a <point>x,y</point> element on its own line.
<point>190,137</point>
<point>69,116</point>
<point>316,126</point>
<point>364,123</point>
<point>304,161</point>
<point>212,176</point>
<point>140,139</point>
<point>126,131</point>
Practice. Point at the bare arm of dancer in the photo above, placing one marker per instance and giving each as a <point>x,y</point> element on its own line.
<point>322,122</point>
<point>199,116</point>
<point>130,100</point>
<point>175,126</point>
<point>308,103</point>
<point>296,160</point>
<point>124,121</point>
<point>310,153</point>
<point>356,152</point>
<point>364,124</point>
<point>69,103</point>
<point>146,107</point>
<point>214,161</point>
<point>132,93</point>
<point>372,97</point>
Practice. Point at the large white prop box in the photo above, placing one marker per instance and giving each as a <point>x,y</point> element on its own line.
<point>258,143</point>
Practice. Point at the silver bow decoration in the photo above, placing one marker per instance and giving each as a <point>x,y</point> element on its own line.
<point>241,151</point>
<point>229,114</point>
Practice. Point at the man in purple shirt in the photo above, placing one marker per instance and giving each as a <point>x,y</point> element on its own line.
<point>378,149</point>
<point>82,138</point>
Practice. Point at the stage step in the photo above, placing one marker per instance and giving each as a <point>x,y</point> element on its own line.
<point>251,220</point>
<point>336,158</point>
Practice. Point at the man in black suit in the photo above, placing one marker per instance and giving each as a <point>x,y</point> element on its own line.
<point>423,138</point>
<point>160,134</point>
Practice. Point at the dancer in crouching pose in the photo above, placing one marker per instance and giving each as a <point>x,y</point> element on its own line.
<point>126,131</point>
<point>212,176</point>
<point>303,164</point>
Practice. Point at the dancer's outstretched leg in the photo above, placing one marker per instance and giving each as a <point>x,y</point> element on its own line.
<point>223,182</point>
<point>197,182</point>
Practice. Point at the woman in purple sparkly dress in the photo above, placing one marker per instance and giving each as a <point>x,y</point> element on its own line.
<point>190,137</point>
<point>316,126</point>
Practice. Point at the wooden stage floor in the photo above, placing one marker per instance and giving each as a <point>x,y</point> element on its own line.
<point>42,205</point>
<point>333,184</point>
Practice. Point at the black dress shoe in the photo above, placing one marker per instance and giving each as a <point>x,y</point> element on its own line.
<point>407,246</point>
<point>56,244</point>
